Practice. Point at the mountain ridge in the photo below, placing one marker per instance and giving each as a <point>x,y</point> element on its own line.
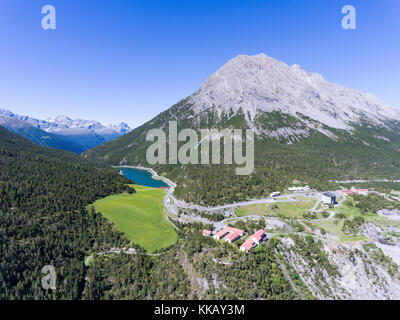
<point>77,135</point>
<point>352,137</point>
<point>259,82</point>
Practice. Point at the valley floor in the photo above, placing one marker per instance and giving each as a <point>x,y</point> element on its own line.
<point>325,253</point>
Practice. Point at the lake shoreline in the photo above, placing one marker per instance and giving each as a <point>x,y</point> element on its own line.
<point>154,174</point>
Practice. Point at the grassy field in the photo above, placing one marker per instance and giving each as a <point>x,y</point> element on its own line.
<point>140,216</point>
<point>336,229</point>
<point>253,209</point>
<point>288,209</point>
<point>348,208</point>
<point>304,198</point>
<point>349,211</point>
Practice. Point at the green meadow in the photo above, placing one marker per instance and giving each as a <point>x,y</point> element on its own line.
<point>348,210</point>
<point>287,209</point>
<point>140,216</point>
<point>336,229</point>
<point>304,198</point>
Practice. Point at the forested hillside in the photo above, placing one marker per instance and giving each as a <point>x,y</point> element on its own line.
<point>43,221</point>
<point>40,136</point>
<point>314,159</point>
<point>191,269</point>
<point>43,218</point>
<point>306,129</point>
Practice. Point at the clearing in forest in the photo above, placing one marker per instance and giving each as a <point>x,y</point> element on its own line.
<point>140,216</point>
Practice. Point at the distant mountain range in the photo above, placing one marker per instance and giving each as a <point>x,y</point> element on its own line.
<point>306,128</point>
<point>62,132</point>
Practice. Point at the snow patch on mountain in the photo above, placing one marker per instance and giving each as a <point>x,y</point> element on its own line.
<point>63,123</point>
<point>88,133</point>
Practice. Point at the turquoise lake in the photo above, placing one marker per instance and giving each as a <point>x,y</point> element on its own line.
<point>142,177</point>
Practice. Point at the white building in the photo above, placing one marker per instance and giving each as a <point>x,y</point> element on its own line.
<point>363,192</point>
<point>298,189</point>
<point>329,198</point>
<point>275,194</point>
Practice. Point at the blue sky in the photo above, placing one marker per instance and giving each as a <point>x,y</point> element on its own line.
<point>118,60</point>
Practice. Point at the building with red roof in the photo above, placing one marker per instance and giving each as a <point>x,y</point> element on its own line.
<point>253,240</point>
<point>258,236</point>
<point>232,234</point>
<point>247,245</point>
<point>363,192</point>
<point>220,234</point>
<point>207,233</point>
<point>347,191</point>
<point>232,237</point>
<point>228,230</point>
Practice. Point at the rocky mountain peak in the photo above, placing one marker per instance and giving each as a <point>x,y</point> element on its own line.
<point>261,83</point>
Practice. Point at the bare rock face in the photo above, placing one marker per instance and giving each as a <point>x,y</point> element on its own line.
<point>259,83</point>
<point>361,271</point>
